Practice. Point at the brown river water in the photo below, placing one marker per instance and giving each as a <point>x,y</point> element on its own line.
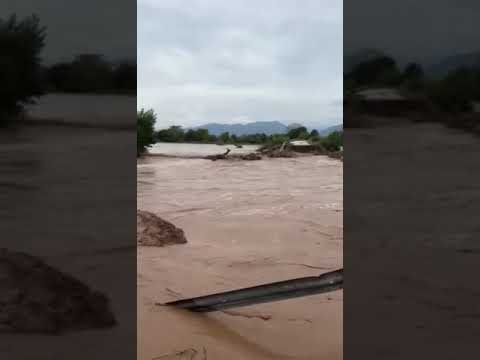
<point>246,223</point>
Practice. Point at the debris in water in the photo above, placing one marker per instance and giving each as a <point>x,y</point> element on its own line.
<point>188,354</point>
<point>247,316</point>
<point>218,156</point>
<point>154,231</point>
<point>251,157</point>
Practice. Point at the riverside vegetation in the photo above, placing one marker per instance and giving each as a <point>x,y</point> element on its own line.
<point>146,135</point>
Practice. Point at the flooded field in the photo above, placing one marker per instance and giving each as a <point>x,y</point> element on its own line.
<point>246,223</point>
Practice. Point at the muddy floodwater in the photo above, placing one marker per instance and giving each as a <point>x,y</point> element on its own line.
<point>197,150</point>
<point>246,223</point>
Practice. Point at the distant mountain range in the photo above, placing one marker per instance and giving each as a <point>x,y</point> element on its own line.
<point>258,127</point>
<point>327,131</point>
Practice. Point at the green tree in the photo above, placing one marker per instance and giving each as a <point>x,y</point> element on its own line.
<point>314,133</point>
<point>21,43</point>
<point>211,139</point>
<point>298,133</point>
<point>276,139</point>
<point>172,134</point>
<point>225,137</point>
<point>203,135</point>
<point>333,142</point>
<point>190,135</point>
<point>145,130</point>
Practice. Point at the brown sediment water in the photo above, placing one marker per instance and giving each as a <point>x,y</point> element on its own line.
<point>246,223</point>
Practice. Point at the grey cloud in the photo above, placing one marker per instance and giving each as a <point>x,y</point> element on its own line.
<point>202,61</point>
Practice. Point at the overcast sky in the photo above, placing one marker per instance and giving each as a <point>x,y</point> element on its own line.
<point>241,61</point>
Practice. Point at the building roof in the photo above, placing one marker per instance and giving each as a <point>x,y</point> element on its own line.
<point>299,142</point>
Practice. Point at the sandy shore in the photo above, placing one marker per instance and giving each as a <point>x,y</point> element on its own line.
<point>247,223</point>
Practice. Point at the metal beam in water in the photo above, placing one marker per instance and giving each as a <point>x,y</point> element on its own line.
<point>281,290</point>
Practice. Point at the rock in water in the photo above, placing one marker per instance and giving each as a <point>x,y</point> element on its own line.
<point>153,231</point>
<point>35,297</point>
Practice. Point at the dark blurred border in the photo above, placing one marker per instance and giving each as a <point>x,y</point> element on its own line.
<point>412,195</point>
<point>68,179</point>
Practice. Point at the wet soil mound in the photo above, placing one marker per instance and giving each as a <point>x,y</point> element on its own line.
<point>277,151</point>
<point>154,231</point>
<point>35,297</point>
<point>235,157</point>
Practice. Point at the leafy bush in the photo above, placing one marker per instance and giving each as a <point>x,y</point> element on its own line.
<point>225,137</point>
<point>21,43</point>
<point>277,139</point>
<point>172,134</point>
<point>253,138</point>
<point>145,130</point>
<point>178,134</point>
<point>299,133</point>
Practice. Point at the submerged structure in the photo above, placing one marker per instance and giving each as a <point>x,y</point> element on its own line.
<point>281,290</point>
